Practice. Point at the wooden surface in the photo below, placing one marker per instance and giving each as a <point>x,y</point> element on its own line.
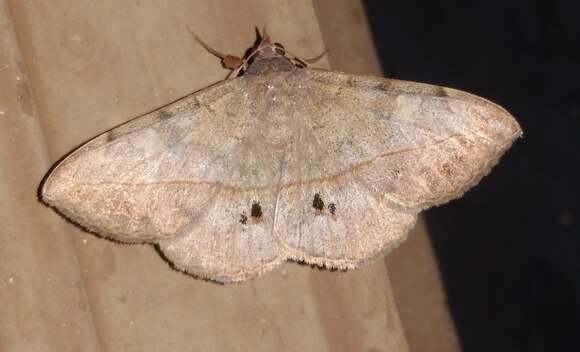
<point>73,69</point>
<point>416,283</point>
<point>420,295</point>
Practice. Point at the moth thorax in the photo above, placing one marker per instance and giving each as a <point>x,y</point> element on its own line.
<point>276,133</point>
<point>262,66</point>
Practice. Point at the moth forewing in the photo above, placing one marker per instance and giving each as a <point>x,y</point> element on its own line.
<point>282,162</point>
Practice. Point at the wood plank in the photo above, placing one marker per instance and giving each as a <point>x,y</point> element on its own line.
<point>43,306</point>
<point>91,66</point>
<point>416,283</point>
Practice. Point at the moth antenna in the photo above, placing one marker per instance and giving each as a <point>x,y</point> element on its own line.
<point>228,61</point>
<point>265,36</point>
<point>258,34</point>
<point>206,46</point>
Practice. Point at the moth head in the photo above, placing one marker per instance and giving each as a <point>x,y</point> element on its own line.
<point>267,57</point>
<point>265,48</point>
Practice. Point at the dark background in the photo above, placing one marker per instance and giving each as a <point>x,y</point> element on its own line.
<point>509,251</point>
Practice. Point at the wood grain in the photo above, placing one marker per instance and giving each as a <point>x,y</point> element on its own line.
<point>89,66</point>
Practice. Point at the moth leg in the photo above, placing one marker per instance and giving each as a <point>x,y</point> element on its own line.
<point>239,69</point>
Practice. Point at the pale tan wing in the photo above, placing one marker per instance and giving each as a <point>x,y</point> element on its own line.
<point>232,241</point>
<point>154,176</point>
<point>379,150</point>
<point>196,177</point>
<point>228,244</point>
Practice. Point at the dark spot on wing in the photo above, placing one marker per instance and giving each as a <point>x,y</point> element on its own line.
<point>440,92</point>
<point>164,114</point>
<point>317,203</point>
<point>256,210</point>
<point>352,82</point>
<point>243,219</point>
<point>396,173</point>
<point>112,135</point>
<point>447,170</point>
<point>384,86</point>
<point>381,114</point>
<point>332,208</point>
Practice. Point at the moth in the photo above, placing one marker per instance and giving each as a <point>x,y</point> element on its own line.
<point>279,162</point>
